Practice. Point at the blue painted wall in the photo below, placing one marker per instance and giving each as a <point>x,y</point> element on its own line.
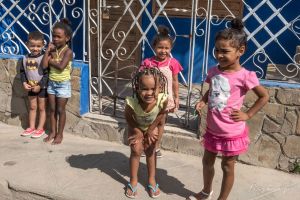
<point>84,86</point>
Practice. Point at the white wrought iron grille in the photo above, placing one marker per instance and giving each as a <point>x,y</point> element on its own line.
<point>109,87</point>
<point>19,17</point>
<point>118,35</point>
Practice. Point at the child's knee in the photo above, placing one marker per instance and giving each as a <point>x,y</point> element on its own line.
<point>228,165</point>
<point>61,110</point>
<point>207,162</point>
<point>136,150</point>
<point>33,107</point>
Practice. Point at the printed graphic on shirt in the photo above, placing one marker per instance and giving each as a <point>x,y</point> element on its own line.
<point>219,93</point>
<point>32,65</point>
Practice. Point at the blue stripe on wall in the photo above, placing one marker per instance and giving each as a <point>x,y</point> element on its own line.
<point>84,86</point>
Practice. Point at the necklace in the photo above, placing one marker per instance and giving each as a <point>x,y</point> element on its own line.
<point>58,53</point>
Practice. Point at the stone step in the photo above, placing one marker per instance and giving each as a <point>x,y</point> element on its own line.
<point>115,129</point>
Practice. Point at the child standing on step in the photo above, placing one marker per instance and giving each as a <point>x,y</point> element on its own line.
<point>58,57</point>
<point>144,112</point>
<point>227,132</point>
<point>170,67</point>
<point>34,78</point>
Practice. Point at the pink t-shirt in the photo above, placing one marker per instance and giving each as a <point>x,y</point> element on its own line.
<point>227,92</point>
<point>169,67</point>
<point>172,63</point>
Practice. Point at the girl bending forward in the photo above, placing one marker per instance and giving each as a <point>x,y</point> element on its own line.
<point>144,112</point>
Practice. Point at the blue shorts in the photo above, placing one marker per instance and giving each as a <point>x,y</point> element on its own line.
<point>59,89</point>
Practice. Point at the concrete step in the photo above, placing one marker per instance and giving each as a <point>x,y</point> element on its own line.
<point>115,129</point>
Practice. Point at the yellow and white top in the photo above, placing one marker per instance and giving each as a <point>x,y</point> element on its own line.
<point>142,118</point>
<point>60,75</point>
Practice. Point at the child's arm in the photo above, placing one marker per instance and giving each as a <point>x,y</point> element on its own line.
<point>131,122</point>
<point>47,56</point>
<point>202,102</point>
<point>24,78</point>
<point>175,85</point>
<point>149,133</point>
<point>68,56</point>
<point>263,98</point>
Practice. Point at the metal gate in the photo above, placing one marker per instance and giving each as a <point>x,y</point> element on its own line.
<point>119,35</point>
<point>121,31</point>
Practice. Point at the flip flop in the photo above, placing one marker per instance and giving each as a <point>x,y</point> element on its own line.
<point>206,196</point>
<point>133,190</point>
<point>152,190</point>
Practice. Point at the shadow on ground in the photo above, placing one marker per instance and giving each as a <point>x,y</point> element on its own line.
<point>116,165</point>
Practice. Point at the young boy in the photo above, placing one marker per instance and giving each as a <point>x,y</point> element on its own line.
<point>35,79</point>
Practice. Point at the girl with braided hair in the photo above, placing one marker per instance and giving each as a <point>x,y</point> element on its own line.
<point>162,45</point>
<point>144,112</point>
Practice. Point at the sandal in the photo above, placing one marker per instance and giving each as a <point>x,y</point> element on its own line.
<point>133,190</point>
<point>152,190</point>
<point>205,196</point>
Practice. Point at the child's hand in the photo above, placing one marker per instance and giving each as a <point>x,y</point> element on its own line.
<point>176,102</point>
<point>199,106</point>
<point>151,137</point>
<point>201,140</point>
<point>237,115</point>
<point>26,86</point>
<point>50,47</point>
<point>36,89</point>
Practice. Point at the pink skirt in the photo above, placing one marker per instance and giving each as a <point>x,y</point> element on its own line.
<point>227,146</point>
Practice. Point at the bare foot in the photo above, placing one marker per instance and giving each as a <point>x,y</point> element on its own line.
<point>57,140</point>
<point>49,138</point>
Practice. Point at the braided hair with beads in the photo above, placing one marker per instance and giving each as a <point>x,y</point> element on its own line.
<point>160,80</point>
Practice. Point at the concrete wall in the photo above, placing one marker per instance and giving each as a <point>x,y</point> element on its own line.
<point>275,131</point>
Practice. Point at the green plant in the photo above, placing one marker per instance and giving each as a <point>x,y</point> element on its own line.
<point>296,168</point>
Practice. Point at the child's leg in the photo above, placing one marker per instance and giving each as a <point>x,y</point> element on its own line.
<point>32,111</point>
<point>61,112</point>
<point>228,176</point>
<point>208,162</point>
<point>53,118</point>
<point>134,160</point>
<point>151,165</point>
<point>42,112</point>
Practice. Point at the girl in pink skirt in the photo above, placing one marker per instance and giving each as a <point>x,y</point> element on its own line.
<point>226,131</point>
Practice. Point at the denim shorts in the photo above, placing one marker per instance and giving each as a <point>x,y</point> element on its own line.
<point>59,89</point>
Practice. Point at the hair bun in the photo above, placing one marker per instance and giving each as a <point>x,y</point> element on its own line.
<point>163,30</point>
<point>65,21</point>
<point>237,23</point>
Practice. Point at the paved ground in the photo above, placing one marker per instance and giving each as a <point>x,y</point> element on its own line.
<point>86,169</point>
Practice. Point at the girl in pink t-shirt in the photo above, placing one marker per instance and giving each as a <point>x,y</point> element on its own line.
<point>170,67</point>
<point>226,131</point>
